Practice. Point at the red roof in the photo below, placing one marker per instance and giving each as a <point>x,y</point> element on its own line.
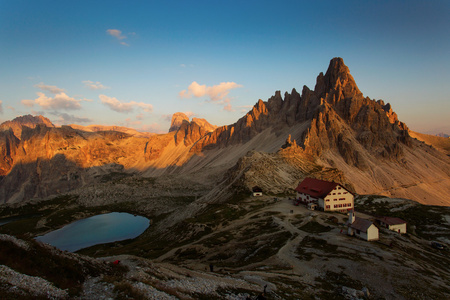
<point>315,187</point>
<point>391,220</point>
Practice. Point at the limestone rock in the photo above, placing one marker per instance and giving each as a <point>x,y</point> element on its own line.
<point>177,121</point>
<point>28,121</point>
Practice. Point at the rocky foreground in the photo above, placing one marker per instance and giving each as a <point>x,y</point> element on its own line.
<point>251,245</point>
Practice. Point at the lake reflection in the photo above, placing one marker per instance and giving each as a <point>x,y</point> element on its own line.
<point>95,230</point>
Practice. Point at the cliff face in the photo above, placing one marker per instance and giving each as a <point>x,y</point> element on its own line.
<point>50,161</point>
<point>177,120</point>
<point>8,148</point>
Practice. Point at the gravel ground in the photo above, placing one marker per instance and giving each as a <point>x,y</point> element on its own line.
<point>34,286</point>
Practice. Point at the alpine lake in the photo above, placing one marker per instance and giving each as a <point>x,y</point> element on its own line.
<point>99,229</point>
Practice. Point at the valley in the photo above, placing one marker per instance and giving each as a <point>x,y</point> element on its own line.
<point>209,238</point>
<point>256,241</point>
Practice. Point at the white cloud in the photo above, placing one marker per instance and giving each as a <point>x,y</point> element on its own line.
<point>215,93</point>
<point>1,106</point>
<point>94,85</point>
<point>51,88</point>
<point>64,118</point>
<point>124,107</point>
<point>60,101</point>
<point>118,35</point>
<point>228,107</point>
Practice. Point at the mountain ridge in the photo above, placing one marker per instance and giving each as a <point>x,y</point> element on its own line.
<point>333,125</point>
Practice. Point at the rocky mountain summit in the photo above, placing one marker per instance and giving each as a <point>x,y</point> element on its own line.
<point>28,121</point>
<point>334,127</point>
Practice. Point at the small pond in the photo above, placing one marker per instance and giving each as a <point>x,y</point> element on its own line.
<point>100,229</point>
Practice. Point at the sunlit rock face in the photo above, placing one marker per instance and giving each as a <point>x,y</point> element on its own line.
<point>28,121</point>
<point>177,120</point>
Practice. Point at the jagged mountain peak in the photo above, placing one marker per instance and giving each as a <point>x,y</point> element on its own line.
<point>177,120</point>
<point>337,77</point>
<point>205,124</point>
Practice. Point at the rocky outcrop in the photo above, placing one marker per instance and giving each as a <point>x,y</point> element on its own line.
<point>28,120</point>
<point>204,124</point>
<point>191,132</point>
<point>177,121</point>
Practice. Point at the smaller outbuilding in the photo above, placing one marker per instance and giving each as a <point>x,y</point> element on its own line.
<point>362,228</point>
<point>257,191</point>
<point>391,223</point>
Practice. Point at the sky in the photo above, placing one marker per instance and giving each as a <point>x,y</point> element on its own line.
<point>135,63</point>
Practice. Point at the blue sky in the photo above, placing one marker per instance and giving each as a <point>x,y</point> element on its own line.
<point>135,63</point>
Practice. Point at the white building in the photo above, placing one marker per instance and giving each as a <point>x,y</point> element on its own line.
<point>394,224</point>
<point>257,191</point>
<point>330,196</point>
<point>361,228</point>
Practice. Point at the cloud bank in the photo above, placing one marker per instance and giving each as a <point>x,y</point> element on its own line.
<point>216,93</point>
<point>59,101</point>
<point>64,118</point>
<point>50,88</point>
<point>124,107</point>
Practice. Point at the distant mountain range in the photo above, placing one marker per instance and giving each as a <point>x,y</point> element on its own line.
<point>335,128</point>
<point>443,135</point>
